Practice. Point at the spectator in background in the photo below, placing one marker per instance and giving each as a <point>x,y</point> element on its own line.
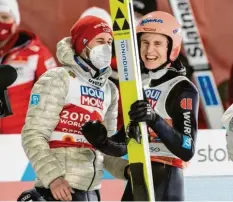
<point>227,118</point>
<point>24,51</point>
<point>227,122</point>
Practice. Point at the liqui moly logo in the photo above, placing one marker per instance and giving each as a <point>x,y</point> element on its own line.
<point>92,97</point>
<point>152,96</point>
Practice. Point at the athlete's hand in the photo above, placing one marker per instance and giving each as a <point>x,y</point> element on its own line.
<point>95,133</point>
<point>133,131</point>
<point>61,189</point>
<point>141,111</point>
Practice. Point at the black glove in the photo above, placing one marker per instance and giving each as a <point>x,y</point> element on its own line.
<point>30,195</point>
<point>95,133</point>
<point>133,131</point>
<point>141,111</point>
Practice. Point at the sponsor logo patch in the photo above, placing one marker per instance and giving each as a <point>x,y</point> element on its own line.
<point>35,99</point>
<point>92,97</point>
<point>186,142</point>
<point>152,96</point>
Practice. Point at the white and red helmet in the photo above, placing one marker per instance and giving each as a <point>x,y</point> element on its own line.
<point>163,23</point>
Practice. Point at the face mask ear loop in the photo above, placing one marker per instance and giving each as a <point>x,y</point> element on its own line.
<point>87,58</point>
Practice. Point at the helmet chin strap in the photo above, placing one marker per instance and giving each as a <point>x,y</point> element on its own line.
<point>161,66</point>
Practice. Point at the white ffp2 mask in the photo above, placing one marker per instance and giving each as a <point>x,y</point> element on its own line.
<point>101,56</point>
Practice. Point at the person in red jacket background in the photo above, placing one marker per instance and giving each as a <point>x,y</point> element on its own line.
<point>25,52</point>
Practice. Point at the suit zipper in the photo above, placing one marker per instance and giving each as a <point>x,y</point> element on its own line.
<point>94,171</point>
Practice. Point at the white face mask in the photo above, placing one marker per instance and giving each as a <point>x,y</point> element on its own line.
<point>101,56</point>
